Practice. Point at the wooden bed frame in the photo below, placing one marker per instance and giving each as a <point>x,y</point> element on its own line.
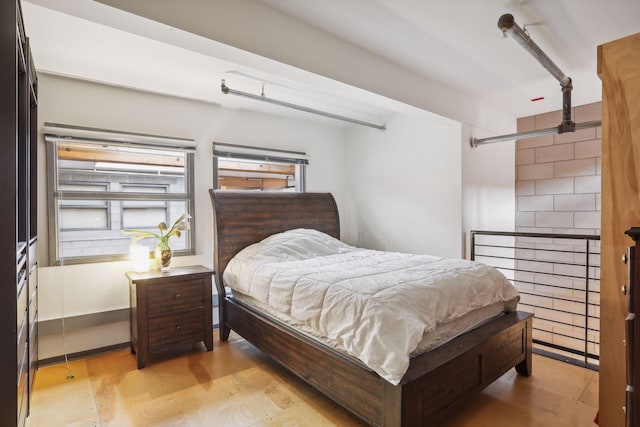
<point>435,383</point>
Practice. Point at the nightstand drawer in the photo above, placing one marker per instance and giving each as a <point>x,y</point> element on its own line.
<point>175,296</point>
<point>177,328</point>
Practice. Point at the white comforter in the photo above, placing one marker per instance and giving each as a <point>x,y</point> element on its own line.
<point>375,305</point>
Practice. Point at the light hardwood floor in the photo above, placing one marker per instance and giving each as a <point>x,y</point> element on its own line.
<point>237,385</point>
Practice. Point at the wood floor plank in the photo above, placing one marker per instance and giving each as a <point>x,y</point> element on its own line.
<point>62,401</point>
<point>589,395</point>
<point>238,385</point>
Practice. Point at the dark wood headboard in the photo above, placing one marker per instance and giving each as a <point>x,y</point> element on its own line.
<point>241,218</point>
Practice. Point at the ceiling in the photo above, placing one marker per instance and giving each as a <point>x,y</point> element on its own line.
<point>90,41</point>
<point>453,42</point>
<point>457,42</point>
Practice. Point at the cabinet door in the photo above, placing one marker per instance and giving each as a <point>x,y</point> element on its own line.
<point>33,329</point>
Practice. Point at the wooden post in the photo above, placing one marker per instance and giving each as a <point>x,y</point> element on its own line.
<point>619,70</point>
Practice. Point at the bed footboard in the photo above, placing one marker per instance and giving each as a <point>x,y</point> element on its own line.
<point>435,384</point>
<point>441,380</point>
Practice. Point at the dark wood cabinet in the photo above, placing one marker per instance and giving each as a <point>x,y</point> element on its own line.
<point>170,310</point>
<point>632,330</point>
<point>18,250</point>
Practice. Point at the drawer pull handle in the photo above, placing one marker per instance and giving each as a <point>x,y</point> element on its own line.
<point>178,296</point>
<point>178,327</point>
<point>623,289</point>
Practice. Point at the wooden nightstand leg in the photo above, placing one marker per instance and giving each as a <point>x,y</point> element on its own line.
<point>224,332</point>
<point>142,354</point>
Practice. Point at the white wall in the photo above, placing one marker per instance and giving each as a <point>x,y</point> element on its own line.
<point>94,288</point>
<point>404,186</point>
<point>488,185</point>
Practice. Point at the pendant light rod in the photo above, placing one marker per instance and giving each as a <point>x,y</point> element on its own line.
<point>227,90</point>
<point>508,26</point>
<point>531,134</point>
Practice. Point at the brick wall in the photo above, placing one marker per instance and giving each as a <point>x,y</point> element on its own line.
<point>558,191</point>
<point>558,176</point>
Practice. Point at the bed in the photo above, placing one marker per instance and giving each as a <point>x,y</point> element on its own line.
<point>435,383</point>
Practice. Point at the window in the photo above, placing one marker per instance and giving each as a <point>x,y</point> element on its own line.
<point>139,213</point>
<point>84,214</point>
<point>258,169</point>
<point>98,188</point>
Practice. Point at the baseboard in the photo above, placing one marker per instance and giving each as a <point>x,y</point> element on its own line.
<point>74,323</point>
<point>84,321</point>
<point>92,352</point>
<point>83,354</point>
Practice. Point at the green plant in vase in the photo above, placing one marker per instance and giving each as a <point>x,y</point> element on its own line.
<point>163,253</point>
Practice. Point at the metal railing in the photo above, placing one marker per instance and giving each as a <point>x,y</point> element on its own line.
<point>558,278</point>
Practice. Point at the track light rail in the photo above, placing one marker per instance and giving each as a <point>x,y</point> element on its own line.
<point>227,90</point>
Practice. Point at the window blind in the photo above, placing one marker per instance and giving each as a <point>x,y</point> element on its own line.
<point>259,153</point>
<point>61,132</point>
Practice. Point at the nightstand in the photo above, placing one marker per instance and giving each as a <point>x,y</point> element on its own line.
<point>169,310</point>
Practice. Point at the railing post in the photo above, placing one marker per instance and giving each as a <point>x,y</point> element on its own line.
<point>531,278</point>
<point>586,304</point>
<point>473,246</point>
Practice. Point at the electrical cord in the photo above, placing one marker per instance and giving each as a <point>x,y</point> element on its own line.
<point>70,375</point>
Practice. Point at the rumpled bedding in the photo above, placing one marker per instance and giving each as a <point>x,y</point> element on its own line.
<point>375,305</point>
